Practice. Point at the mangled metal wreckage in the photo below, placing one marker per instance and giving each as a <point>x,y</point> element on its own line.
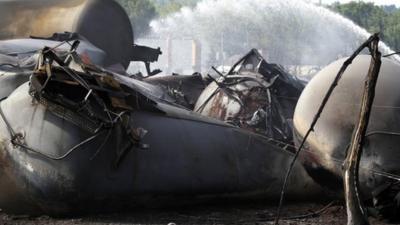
<point>254,95</point>
<point>77,136</point>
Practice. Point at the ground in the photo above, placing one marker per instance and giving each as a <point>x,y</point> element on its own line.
<point>243,213</point>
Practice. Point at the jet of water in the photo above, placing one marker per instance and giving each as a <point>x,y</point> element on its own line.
<point>289,32</point>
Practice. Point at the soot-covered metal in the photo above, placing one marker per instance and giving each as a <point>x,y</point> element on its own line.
<point>78,134</point>
<point>253,95</point>
<point>87,140</point>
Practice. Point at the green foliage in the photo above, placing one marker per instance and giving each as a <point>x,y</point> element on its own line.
<point>169,7</point>
<point>383,19</point>
<point>392,30</point>
<point>166,7</point>
<point>140,12</point>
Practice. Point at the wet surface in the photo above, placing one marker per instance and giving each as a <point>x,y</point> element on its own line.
<point>256,213</point>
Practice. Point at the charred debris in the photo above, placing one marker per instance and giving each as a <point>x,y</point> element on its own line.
<point>254,95</point>
<point>117,123</point>
<point>80,135</point>
<point>141,140</point>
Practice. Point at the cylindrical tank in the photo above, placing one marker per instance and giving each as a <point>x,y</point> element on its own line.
<point>189,159</point>
<point>326,147</point>
<point>103,22</point>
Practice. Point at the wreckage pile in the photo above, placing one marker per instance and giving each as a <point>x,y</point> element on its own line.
<point>78,120</point>
<point>255,96</point>
<point>85,135</point>
<point>78,134</point>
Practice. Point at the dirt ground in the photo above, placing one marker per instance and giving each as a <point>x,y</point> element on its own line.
<point>255,213</point>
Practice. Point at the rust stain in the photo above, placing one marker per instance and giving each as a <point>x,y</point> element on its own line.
<point>218,109</point>
<point>253,99</point>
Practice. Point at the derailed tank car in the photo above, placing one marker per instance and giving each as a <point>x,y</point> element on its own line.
<point>78,135</point>
<point>327,145</point>
<point>77,138</point>
<point>102,27</point>
<point>103,23</point>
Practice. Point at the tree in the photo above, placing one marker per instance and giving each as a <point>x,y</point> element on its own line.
<point>383,19</point>
<point>140,12</point>
<point>168,8</point>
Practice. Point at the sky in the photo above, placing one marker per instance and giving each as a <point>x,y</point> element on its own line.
<point>377,2</point>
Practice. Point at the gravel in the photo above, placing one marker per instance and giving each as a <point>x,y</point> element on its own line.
<point>239,213</point>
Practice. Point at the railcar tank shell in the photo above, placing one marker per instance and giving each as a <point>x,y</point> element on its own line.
<point>104,23</point>
<point>326,147</point>
<point>190,158</point>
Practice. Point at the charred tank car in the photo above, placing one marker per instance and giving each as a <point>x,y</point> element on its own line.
<point>78,135</point>
<point>77,138</point>
<point>326,147</point>
<point>23,35</point>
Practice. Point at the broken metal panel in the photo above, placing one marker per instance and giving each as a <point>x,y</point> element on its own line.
<point>14,71</point>
<point>27,47</point>
<point>9,81</point>
<point>149,91</point>
<point>184,89</point>
<point>254,95</point>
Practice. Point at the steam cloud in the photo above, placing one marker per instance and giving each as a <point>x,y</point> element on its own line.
<point>289,32</point>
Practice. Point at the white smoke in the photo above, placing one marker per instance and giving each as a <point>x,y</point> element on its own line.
<point>289,32</point>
